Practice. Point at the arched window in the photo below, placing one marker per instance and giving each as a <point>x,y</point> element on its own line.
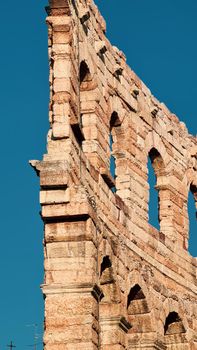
<point>153,197</point>
<point>114,124</point>
<point>86,84</point>
<point>155,169</point>
<point>112,163</point>
<point>192,200</point>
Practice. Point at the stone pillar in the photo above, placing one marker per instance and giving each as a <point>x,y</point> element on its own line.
<point>64,99</point>
<point>113,328</point>
<point>70,318</point>
<point>71,296</point>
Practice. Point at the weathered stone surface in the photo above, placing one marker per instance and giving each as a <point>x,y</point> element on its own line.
<point>112,281</point>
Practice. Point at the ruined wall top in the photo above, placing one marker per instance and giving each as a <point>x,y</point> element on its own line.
<point>95,94</point>
<point>88,12</point>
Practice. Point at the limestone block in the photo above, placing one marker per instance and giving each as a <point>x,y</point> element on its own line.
<point>55,196</point>
<point>62,68</point>
<point>60,130</point>
<point>61,84</point>
<point>70,249</point>
<point>61,49</point>
<point>62,37</point>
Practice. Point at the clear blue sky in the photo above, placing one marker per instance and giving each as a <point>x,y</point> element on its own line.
<point>159,39</point>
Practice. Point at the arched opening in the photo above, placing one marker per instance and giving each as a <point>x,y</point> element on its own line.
<point>136,301</point>
<point>84,76</point>
<point>173,324</point>
<point>112,163</point>
<point>153,197</point>
<point>114,121</point>
<point>106,271</point>
<point>108,282</point>
<point>139,315</point>
<point>155,169</point>
<point>85,81</point>
<point>192,215</point>
<point>174,332</point>
<point>114,125</point>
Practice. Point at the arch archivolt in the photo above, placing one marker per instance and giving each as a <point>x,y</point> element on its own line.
<point>115,105</point>
<point>191,157</point>
<point>108,277</point>
<point>105,249</point>
<point>190,183</point>
<point>85,56</point>
<point>153,140</point>
<point>139,303</point>
<point>190,178</point>
<point>134,278</point>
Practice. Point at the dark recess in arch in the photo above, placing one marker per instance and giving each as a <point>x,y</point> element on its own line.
<point>114,123</point>
<point>155,169</point>
<point>135,294</point>
<point>84,72</point>
<point>192,216</point>
<point>173,324</point>
<point>106,263</point>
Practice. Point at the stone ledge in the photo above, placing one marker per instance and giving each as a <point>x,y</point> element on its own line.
<point>72,288</point>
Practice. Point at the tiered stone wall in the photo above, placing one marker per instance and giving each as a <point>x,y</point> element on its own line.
<point>112,281</point>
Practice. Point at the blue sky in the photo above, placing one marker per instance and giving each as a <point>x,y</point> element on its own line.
<point>159,39</point>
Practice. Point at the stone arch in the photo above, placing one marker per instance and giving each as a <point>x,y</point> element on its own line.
<point>173,316</point>
<point>168,196</point>
<point>190,174</point>
<point>157,162</point>
<point>107,273</point>
<point>139,308</point>
<point>193,189</point>
<point>117,133</point>
<point>154,141</point>
<point>114,131</point>
<point>89,96</point>
<point>86,58</point>
<point>114,120</point>
<point>133,279</point>
<point>191,215</point>
<point>190,177</point>
<point>86,80</point>
<point>156,166</point>
<point>189,186</point>
<point>174,332</point>
<point>115,105</point>
<point>173,324</point>
<point>136,301</point>
<point>84,72</point>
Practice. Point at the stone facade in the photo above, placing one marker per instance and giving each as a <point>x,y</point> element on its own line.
<point>112,281</point>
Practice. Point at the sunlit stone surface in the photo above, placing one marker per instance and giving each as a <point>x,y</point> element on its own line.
<point>112,281</point>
